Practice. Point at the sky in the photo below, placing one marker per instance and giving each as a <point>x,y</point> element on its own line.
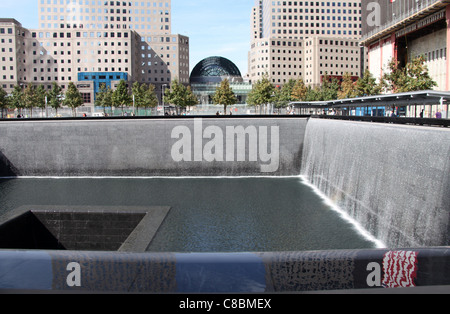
<point>214,27</point>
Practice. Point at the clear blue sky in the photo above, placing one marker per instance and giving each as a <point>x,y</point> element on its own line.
<point>215,27</point>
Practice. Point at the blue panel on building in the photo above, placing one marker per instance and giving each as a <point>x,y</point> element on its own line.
<point>99,78</point>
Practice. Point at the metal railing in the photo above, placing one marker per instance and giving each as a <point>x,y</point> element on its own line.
<point>395,120</point>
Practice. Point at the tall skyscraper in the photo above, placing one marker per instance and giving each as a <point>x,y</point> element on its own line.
<point>305,39</point>
<point>95,43</point>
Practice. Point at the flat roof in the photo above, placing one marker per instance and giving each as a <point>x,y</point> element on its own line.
<point>427,97</point>
<point>10,20</point>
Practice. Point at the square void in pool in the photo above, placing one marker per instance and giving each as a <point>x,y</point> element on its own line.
<point>127,229</point>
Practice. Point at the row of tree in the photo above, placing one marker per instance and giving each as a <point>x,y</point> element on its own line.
<point>32,97</point>
<point>144,96</point>
<point>413,77</point>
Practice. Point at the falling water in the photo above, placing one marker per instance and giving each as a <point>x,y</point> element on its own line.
<point>394,180</point>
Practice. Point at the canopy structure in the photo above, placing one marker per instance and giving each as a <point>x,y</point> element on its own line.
<point>409,104</point>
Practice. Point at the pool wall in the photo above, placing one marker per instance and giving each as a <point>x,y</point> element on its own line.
<point>393,179</point>
<point>152,147</point>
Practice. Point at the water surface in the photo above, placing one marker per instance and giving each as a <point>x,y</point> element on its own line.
<point>207,214</point>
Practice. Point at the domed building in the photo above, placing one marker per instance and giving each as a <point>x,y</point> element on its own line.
<point>214,70</point>
<point>210,72</point>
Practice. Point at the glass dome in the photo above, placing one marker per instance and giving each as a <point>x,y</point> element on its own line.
<point>214,70</point>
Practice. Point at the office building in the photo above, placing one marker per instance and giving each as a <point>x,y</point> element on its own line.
<point>305,39</point>
<point>94,43</point>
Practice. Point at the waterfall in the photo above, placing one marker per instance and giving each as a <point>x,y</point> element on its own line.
<point>393,179</point>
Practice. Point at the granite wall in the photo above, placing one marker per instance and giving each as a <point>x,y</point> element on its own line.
<point>152,147</point>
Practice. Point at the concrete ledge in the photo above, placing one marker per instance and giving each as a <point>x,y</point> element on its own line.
<point>365,271</point>
<point>84,228</point>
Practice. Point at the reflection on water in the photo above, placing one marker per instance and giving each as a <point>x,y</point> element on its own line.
<point>208,214</point>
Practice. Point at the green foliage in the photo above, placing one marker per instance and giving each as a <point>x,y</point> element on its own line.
<point>299,91</point>
<point>224,95</point>
<point>283,95</point>
<point>367,86</point>
<point>29,98</point>
<point>413,77</point>
<point>104,98</point>
<point>261,92</point>
<point>144,95</point>
<point>348,88</point>
<point>40,95</point>
<point>191,99</point>
<point>16,98</point>
<point>328,90</point>
<point>55,96</point>
<point>180,95</point>
<point>4,100</point>
<point>121,96</point>
<point>313,94</point>
<point>73,98</point>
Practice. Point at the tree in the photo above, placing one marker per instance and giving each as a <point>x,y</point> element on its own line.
<point>261,92</point>
<point>419,77</point>
<point>224,95</point>
<point>191,99</point>
<point>367,85</point>
<point>73,98</point>
<point>40,95</point>
<point>179,95</point>
<point>299,90</point>
<point>348,88</point>
<point>120,96</point>
<point>55,96</point>
<point>150,99</point>
<point>413,77</point>
<point>4,101</point>
<point>313,94</point>
<point>137,92</point>
<point>29,98</point>
<point>104,97</point>
<point>329,88</point>
<point>144,95</point>
<point>16,98</point>
<point>283,95</point>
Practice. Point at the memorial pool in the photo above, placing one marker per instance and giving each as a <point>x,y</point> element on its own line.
<point>207,214</point>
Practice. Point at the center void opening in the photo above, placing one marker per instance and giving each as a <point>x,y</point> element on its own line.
<point>80,229</point>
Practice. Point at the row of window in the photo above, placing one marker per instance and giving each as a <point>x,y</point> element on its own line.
<point>95,18</point>
<point>314,32</point>
<point>60,35</point>
<point>313,18</point>
<point>316,3</point>
<point>331,65</point>
<point>436,54</point>
<point>104,3</point>
<point>106,26</point>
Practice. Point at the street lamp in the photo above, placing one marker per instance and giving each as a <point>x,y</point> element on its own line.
<point>46,106</point>
<point>162,98</point>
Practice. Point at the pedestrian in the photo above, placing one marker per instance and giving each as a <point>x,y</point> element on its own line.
<point>438,115</point>
<point>421,113</point>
